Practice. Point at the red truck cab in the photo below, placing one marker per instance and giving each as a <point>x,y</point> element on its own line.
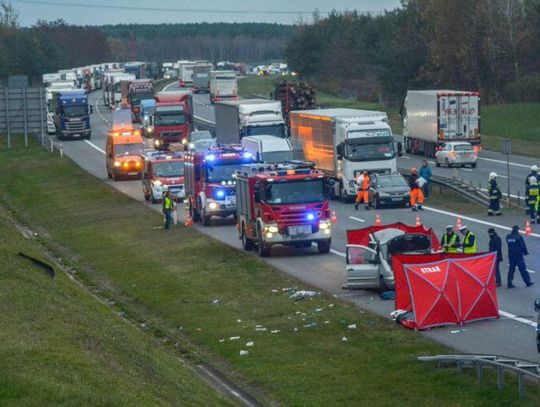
<point>163,169</point>
<point>138,90</point>
<point>173,118</point>
<point>284,204</point>
<point>210,181</point>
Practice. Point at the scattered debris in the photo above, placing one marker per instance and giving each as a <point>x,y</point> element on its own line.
<point>395,314</point>
<point>238,320</point>
<point>295,329</point>
<point>261,329</point>
<point>331,306</point>
<point>388,295</point>
<point>199,329</point>
<point>318,309</point>
<point>122,314</point>
<point>222,340</point>
<point>274,291</point>
<point>249,344</point>
<point>310,325</point>
<point>234,338</point>
<point>300,295</point>
<point>274,331</point>
<point>244,352</point>
<point>326,322</point>
<point>216,301</point>
<point>352,326</point>
<point>344,339</point>
<point>458,331</point>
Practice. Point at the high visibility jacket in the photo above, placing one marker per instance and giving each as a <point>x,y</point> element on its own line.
<point>452,242</point>
<point>363,182</point>
<point>167,203</point>
<point>469,243</point>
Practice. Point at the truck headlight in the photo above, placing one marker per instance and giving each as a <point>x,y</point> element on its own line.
<point>324,225</point>
<point>117,164</point>
<point>156,143</point>
<point>272,229</point>
<point>212,206</point>
<point>157,184</point>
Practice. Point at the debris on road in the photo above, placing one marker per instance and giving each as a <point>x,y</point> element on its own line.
<point>244,352</point>
<point>458,331</point>
<point>249,344</point>
<point>344,339</point>
<point>318,309</point>
<point>300,295</point>
<point>352,326</point>
<point>222,340</point>
<point>274,331</point>
<point>234,338</point>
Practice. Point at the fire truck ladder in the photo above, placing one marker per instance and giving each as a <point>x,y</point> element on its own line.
<point>521,368</point>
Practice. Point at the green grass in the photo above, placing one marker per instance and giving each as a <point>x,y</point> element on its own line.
<point>62,347</point>
<point>518,121</point>
<point>170,280</point>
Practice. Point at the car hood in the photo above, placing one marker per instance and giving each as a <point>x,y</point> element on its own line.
<point>387,190</point>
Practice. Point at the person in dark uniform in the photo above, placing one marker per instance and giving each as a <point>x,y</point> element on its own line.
<point>495,246</point>
<point>517,250</point>
<point>494,196</point>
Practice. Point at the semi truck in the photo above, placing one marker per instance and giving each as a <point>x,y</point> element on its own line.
<point>115,88</point>
<point>209,179</point>
<point>223,86</point>
<point>107,87</point>
<point>285,205</point>
<point>136,68</point>
<point>345,142</point>
<point>50,93</point>
<point>433,117</point>
<point>236,119</point>
<point>201,78</point>
<point>72,115</point>
<point>173,118</point>
<point>135,91</point>
<point>185,74</point>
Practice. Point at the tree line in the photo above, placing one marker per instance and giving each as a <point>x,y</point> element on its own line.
<point>492,46</point>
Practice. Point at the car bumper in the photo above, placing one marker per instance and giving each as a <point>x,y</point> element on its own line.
<point>220,208</point>
<point>279,238</point>
<point>394,200</point>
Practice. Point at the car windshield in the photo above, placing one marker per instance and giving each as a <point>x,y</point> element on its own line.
<point>391,181</point>
<point>171,118</point>
<point>463,147</point>
<point>356,151</point>
<point>273,130</point>
<point>200,135</point>
<point>75,111</point>
<point>277,156</point>
<point>137,97</point>
<point>171,169</point>
<point>221,172</point>
<point>202,145</point>
<point>294,192</point>
<point>122,150</point>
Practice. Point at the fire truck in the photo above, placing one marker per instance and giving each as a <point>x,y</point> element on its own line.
<point>285,204</point>
<point>210,181</point>
<point>163,169</point>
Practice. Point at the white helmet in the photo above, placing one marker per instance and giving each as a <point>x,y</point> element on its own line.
<point>492,175</point>
<point>534,168</point>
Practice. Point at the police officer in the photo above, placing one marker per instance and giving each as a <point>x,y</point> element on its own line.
<point>532,192</point>
<point>167,208</point>
<point>494,196</point>
<point>469,240</point>
<point>516,252</point>
<point>450,240</point>
<point>495,246</point>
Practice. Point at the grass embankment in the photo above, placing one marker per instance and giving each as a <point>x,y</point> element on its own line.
<point>190,289</point>
<point>518,121</point>
<point>62,347</point>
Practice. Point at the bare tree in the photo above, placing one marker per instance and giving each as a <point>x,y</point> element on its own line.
<point>9,16</point>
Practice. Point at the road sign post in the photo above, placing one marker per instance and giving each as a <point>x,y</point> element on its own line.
<point>507,150</point>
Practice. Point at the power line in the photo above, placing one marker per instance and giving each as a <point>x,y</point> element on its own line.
<point>169,9</point>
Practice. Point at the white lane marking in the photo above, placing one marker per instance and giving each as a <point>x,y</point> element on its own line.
<point>94,146</point>
<point>340,254</point>
<point>504,162</point>
<point>516,318</point>
<point>357,219</point>
<point>467,169</point>
<point>100,115</point>
<point>482,222</point>
<point>406,157</point>
<point>531,271</point>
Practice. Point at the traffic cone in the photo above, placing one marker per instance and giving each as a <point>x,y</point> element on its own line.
<point>378,220</point>
<point>334,217</point>
<point>458,223</point>
<point>528,230</point>
<point>418,221</point>
<point>189,222</point>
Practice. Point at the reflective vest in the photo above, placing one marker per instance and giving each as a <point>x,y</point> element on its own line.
<point>468,247</point>
<point>167,203</point>
<point>451,243</point>
<point>363,182</point>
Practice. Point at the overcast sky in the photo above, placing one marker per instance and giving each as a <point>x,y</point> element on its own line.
<point>181,11</point>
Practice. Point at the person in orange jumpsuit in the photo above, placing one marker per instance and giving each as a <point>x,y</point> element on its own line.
<point>362,182</point>
<point>417,196</point>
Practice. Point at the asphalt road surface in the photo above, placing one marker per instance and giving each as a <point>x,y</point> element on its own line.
<point>512,335</point>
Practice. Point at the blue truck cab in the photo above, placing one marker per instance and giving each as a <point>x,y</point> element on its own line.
<point>148,108</point>
<point>72,115</point>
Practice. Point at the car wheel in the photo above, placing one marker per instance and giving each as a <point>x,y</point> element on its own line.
<point>194,215</point>
<point>247,243</point>
<point>263,249</point>
<point>447,163</point>
<point>437,163</point>
<point>205,218</point>
<point>382,285</point>
<point>324,246</point>
<point>377,203</point>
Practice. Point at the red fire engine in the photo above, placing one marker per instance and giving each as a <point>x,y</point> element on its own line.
<point>285,205</point>
<point>160,170</point>
<point>210,181</point>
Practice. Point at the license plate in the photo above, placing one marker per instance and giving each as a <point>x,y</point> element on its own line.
<point>230,200</point>
<point>132,173</point>
<point>397,199</point>
<point>299,230</point>
<point>76,135</point>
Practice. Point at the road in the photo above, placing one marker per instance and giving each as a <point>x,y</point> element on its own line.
<point>513,335</point>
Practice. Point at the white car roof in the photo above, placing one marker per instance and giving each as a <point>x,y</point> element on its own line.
<point>386,235</point>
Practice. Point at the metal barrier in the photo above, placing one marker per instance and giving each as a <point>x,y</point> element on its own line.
<point>521,368</point>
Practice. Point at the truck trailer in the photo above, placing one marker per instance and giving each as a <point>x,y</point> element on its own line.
<point>433,117</point>
<point>135,91</point>
<point>201,78</point>
<point>345,142</point>
<point>236,119</point>
<point>223,86</point>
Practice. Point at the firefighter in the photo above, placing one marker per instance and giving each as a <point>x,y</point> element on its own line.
<point>168,207</point>
<point>517,250</point>
<point>494,196</point>
<point>450,241</point>
<point>362,190</point>
<point>532,192</point>
<point>469,240</point>
<point>417,196</point>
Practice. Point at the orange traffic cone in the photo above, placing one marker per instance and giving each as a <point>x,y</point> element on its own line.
<point>334,217</point>
<point>528,230</point>
<point>378,220</point>
<point>189,222</point>
<point>458,223</point>
<point>418,221</point>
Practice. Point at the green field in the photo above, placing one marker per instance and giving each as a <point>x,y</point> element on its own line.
<point>518,121</point>
<point>194,292</point>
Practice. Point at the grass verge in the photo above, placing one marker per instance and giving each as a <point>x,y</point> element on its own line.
<point>62,347</point>
<point>518,121</point>
<point>203,294</point>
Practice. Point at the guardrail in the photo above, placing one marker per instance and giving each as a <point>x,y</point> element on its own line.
<point>521,368</point>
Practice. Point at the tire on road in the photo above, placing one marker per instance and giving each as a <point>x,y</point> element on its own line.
<point>324,246</point>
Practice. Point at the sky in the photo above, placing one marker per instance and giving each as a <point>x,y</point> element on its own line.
<point>181,11</point>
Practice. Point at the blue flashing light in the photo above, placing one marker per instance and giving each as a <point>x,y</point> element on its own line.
<point>220,193</point>
<point>210,157</point>
<point>310,216</point>
<point>248,155</point>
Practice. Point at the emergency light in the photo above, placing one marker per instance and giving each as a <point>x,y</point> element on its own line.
<point>220,193</point>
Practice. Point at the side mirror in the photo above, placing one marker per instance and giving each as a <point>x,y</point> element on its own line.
<point>537,305</point>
